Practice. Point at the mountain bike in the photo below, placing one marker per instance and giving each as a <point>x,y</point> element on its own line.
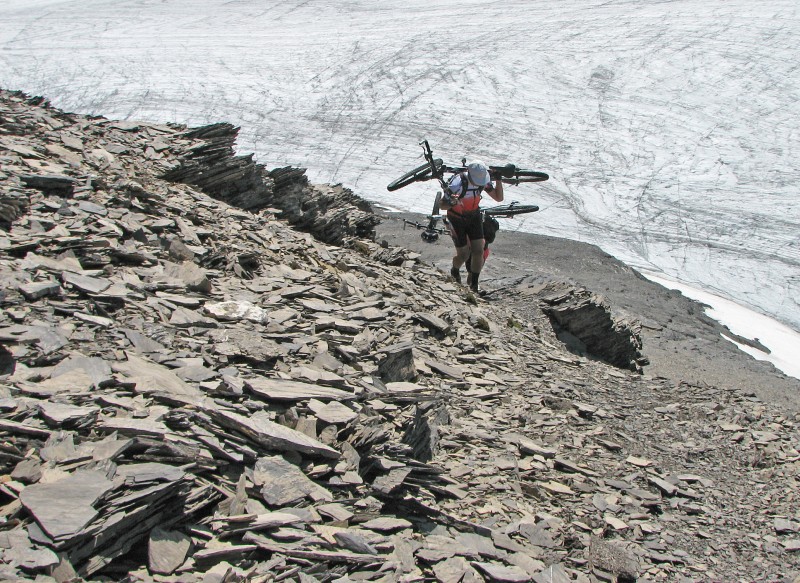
<point>431,230</point>
<point>435,168</point>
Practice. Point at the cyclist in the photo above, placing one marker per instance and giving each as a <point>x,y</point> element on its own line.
<point>462,200</point>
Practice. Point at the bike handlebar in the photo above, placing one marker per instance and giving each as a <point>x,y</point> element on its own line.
<point>436,170</point>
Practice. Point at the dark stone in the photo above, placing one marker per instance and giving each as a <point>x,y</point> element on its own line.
<point>423,434</point>
<point>331,214</point>
<point>398,364</point>
<point>585,322</point>
<point>55,184</point>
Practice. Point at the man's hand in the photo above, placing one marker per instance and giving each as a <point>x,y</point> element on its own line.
<point>497,172</point>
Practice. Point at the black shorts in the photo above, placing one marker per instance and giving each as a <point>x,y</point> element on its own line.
<point>465,228</point>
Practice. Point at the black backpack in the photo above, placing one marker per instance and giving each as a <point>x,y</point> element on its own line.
<point>490,228</point>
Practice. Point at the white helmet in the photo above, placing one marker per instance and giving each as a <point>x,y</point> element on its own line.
<point>478,173</point>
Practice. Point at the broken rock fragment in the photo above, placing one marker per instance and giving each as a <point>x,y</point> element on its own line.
<point>236,310</point>
<point>167,550</point>
<point>77,494</point>
<point>271,435</point>
<point>283,483</point>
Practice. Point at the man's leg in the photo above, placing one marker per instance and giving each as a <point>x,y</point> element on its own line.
<point>457,230</point>
<point>476,247</point>
<point>460,257</point>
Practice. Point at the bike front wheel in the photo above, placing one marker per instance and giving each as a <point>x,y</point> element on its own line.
<point>416,175</point>
<point>509,210</point>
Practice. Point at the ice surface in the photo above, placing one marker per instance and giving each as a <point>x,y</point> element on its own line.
<point>670,129</point>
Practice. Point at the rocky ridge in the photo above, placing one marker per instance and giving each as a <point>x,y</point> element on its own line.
<point>195,392</point>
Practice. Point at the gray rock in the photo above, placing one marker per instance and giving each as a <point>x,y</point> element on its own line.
<point>77,494</point>
<point>283,483</point>
<point>271,435</point>
<point>193,276</point>
<point>167,550</point>
<point>36,291</point>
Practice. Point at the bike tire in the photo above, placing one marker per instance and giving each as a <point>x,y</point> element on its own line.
<point>509,210</point>
<point>528,176</point>
<point>418,174</point>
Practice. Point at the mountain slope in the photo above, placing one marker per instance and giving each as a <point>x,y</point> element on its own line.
<point>210,394</point>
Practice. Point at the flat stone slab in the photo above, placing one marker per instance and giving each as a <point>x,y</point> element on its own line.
<point>333,413</point>
<point>70,382</point>
<point>272,435</point>
<point>90,285</point>
<point>386,524</point>
<point>506,574</point>
<point>247,344</point>
<point>98,370</point>
<point>283,483</point>
<point>167,550</point>
<point>38,290</point>
<point>289,390</point>
<point>76,494</point>
<point>150,377</point>
<point>59,414</point>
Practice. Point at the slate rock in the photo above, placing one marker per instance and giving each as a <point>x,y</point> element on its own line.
<point>167,550</point>
<point>355,542</point>
<point>496,572</point>
<point>271,435</point>
<point>85,283</point>
<point>192,275</point>
<point>291,390</point>
<point>283,483</point>
<point>38,290</point>
<point>27,471</point>
<point>65,415</point>
<point>77,494</point>
<point>333,413</point>
<point>246,344</point>
<point>398,365</point>
<point>149,377</point>
<point>61,185</point>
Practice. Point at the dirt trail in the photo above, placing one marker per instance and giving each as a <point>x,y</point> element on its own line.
<point>681,342</point>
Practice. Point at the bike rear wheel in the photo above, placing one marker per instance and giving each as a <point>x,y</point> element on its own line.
<point>509,210</point>
<point>416,175</point>
<point>527,176</point>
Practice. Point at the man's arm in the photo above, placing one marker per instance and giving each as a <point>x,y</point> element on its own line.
<point>497,192</point>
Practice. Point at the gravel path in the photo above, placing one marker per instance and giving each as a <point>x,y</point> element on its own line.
<point>681,342</point>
